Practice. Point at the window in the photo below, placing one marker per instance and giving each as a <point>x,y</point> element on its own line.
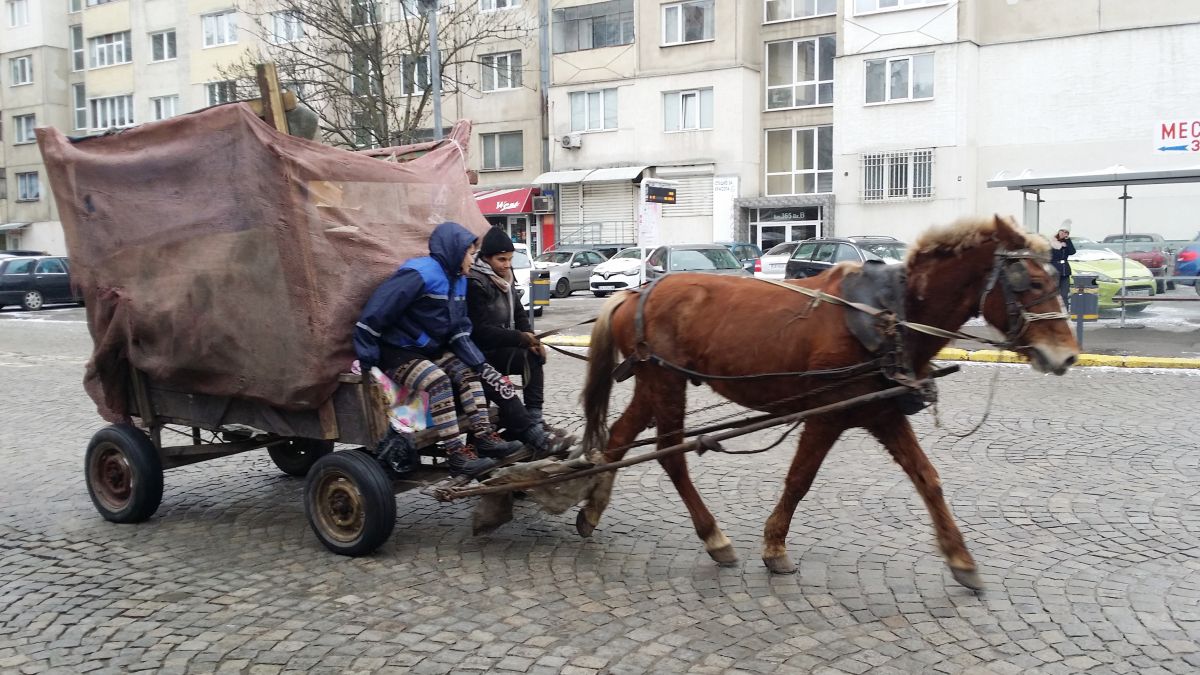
<point>28,189</point>
<point>21,68</point>
<point>365,12</point>
<point>20,266</point>
<point>78,48</point>
<point>799,161</point>
<point>402,9</point>
<point>18,13</point>
<point>219,29</point>
<point>286,26</point>
<point>414,74</point>
<point>220,92</point>
<point>684,110</point>
<point>501,71</point>
<point>593,110</point>
<point>897,175</point>
<point>162,107</point>
<point>904,78</point>
<point>23,128</point>
<point>489,5</point>
<point>800,73</point>
<point>868,6</point>
<point>502,151</point>
<point>79,99</point>
<point>687,22</point>
<point>110,49</point>
<point>93,3</point>
<point>786,10</point>
<point>112,111</point>
<point>600,24</point>
<point>74,6</point>
<point>50,266</point>
<point>162,46</point>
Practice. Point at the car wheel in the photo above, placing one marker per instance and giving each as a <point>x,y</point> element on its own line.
<point>601,294</point>
<point>1160,287</point>
<point>1135,309</point>
<point>32,300</point>
<point>537,311</point>
<point>562,289</point>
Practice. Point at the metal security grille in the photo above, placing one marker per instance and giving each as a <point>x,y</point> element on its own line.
<point>694,197</point>
<point>897,175</point>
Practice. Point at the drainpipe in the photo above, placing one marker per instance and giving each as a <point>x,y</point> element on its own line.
<point>544,84</point>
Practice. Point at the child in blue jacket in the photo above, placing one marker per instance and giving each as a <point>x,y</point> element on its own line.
<point>415,329</point>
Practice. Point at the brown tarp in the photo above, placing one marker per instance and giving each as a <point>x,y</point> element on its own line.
<point>222,257</point>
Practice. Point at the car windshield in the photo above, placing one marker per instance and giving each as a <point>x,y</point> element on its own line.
<point>785,248</point>
<point>520,260</point>
<point>555,257</point>
<point>687,259</point>
<point>890,252</point>
<point>635,253</point>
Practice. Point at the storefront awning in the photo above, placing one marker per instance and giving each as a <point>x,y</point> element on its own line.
<point>1114,175</point>
<point>500,202</point>
<point>7,227</point>
<point>614,173</point>
<point>561,177</point>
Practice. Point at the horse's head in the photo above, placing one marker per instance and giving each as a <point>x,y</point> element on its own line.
<point>1006,276</point>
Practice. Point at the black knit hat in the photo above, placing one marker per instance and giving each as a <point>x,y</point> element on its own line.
<point>494,242</point>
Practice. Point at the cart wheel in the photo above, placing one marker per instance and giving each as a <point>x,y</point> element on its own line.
<point>350,503</point>
<point>297,455</point>
<point>124,474</point>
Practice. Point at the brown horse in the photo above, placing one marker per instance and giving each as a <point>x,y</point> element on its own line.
<point>724,326</point>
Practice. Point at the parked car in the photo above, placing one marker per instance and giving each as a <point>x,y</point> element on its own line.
<point>626,269</point>
<point>773,263</point>
<point>15,252</point>
<point>714,258</point>
<point>33,282</point>
<point>522,267</point>
<point>1097,258</point>
<point>1187,263</point>
<point>607,250</point>
<point>569,270</point>
<point>814,256</point>
<point>747,254</point>
<point>1148,249</point>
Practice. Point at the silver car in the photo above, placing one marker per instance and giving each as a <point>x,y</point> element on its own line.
<point>712,258</point>
<point>569,270</point>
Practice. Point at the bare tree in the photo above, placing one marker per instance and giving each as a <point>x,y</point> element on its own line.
<point>363,65</point>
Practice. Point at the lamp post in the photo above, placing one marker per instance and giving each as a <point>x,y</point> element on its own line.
<point>435,65</point>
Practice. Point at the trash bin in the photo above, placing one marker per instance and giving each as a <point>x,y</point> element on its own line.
<point>1085,297</point>
<point>539,289</point>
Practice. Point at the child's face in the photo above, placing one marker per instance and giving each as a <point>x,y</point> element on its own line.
<point>469,258</point>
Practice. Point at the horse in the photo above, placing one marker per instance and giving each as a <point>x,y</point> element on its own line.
<point>693,325</point>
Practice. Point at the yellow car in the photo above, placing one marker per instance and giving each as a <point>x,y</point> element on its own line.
<point>1093,258</point>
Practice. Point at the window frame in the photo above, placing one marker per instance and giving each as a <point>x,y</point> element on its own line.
<point>604,95</point>
<point>794,16</point>
<point>495,138</point>
<point>169,39</point>
<point>700,117</point>
<point>491,62</point>
<point>40,269</point>
<point>157,103</point>
<point>13,62</point>
<point>230,29</point>
<point>79,95</point>
<point>14,16</point>
<point>883,163</point>
<point>508,4</point>
<point>901,5</point>
<point>681,22</point>
<point>118,107</point>
<point>23,133</point>
<point>619,20</point>
<point>795,171</point>
<point>116,45</point>
<point>23,179</point>
<point>292,22</point>
<point>887,62</point>
<point>79,50</point>
<point>74,6</point>
<point>220,87</point>
<point>816,84</point>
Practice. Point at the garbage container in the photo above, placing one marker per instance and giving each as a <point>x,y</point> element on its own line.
<point>539,289</point>
<point>1085,297</point>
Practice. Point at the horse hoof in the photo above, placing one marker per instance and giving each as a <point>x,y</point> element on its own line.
<point>724,556</point>
<point>582,526</point>
<point>968,578</point>
<point>780,565</point>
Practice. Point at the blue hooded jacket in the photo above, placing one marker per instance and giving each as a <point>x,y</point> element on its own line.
<point>422,308</point>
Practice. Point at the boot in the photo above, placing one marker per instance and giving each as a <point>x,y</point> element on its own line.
<point>535,414</point>
<point>463,461</point>
<point>491,445</point>
<point>543,444</point>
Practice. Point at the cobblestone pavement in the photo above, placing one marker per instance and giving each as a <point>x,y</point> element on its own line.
<point>1078,497</point>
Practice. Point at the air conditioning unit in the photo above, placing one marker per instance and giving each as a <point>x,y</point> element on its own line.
<point>571,141</point>
<point>543,204</point>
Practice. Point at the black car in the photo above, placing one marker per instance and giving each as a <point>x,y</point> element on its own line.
<point>816,255</point>
<point>33,282</point>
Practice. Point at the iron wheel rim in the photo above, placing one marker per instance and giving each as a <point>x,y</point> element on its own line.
<point>339,507</point>
<point>111,477</point>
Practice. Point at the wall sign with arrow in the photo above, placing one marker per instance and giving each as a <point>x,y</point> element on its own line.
<point>1177,136</point>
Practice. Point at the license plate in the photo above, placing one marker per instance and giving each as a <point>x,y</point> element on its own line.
<point>778,266</point>
<point>1137,291</point>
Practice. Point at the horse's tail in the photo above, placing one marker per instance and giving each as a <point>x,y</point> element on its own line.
<point>602,357</point>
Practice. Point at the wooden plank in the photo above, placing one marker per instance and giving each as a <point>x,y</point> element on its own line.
<point>272,100</point>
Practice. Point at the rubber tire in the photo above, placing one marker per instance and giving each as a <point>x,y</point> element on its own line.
<point>1137,309</point>
<point>146,467</point>
<point>537,311</point>
<point>563,288</point>
<point>1160,287</point>
<point>378,500</point>
<point>298,455</point>
<point>28,306</point>
<point>601,294</point>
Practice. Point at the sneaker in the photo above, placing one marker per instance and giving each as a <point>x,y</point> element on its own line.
<point>464,462</point>
<point>535,415</point>
<point>491,445</point>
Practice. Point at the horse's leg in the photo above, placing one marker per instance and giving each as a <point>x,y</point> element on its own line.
<point>818,436</point>
<point>624,431</point>
<point>897,436</point>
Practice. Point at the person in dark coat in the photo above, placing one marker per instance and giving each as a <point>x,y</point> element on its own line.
<point>415,328</point>
<point>501,328</point>
<point>1061,248</point>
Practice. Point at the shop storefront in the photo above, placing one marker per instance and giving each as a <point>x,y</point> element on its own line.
<point>769,227</point>
<point>512,210</point>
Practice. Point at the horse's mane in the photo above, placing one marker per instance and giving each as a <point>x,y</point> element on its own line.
<point>967,233</point>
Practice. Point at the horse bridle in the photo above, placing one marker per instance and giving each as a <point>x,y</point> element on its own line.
<point>1014,279</point>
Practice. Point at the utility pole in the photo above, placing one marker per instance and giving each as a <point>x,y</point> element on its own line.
<point>435,66</point>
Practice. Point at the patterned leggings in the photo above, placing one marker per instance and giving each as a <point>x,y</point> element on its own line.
<point>440,378</point>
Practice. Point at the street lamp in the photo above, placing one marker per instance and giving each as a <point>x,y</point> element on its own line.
<point>435,65</point>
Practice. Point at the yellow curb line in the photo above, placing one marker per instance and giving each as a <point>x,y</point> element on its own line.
<point>983,356</point>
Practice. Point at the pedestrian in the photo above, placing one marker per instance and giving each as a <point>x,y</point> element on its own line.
<point>416,330</point>
<point>1061,248</point>
<point>501,328</point>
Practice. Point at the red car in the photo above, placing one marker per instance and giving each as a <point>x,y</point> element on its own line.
<point>1147,249</point>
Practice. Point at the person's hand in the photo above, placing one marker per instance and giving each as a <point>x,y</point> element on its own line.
<point>533,344</point>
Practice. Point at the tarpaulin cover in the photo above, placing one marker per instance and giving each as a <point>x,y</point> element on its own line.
<point>222,257</point>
